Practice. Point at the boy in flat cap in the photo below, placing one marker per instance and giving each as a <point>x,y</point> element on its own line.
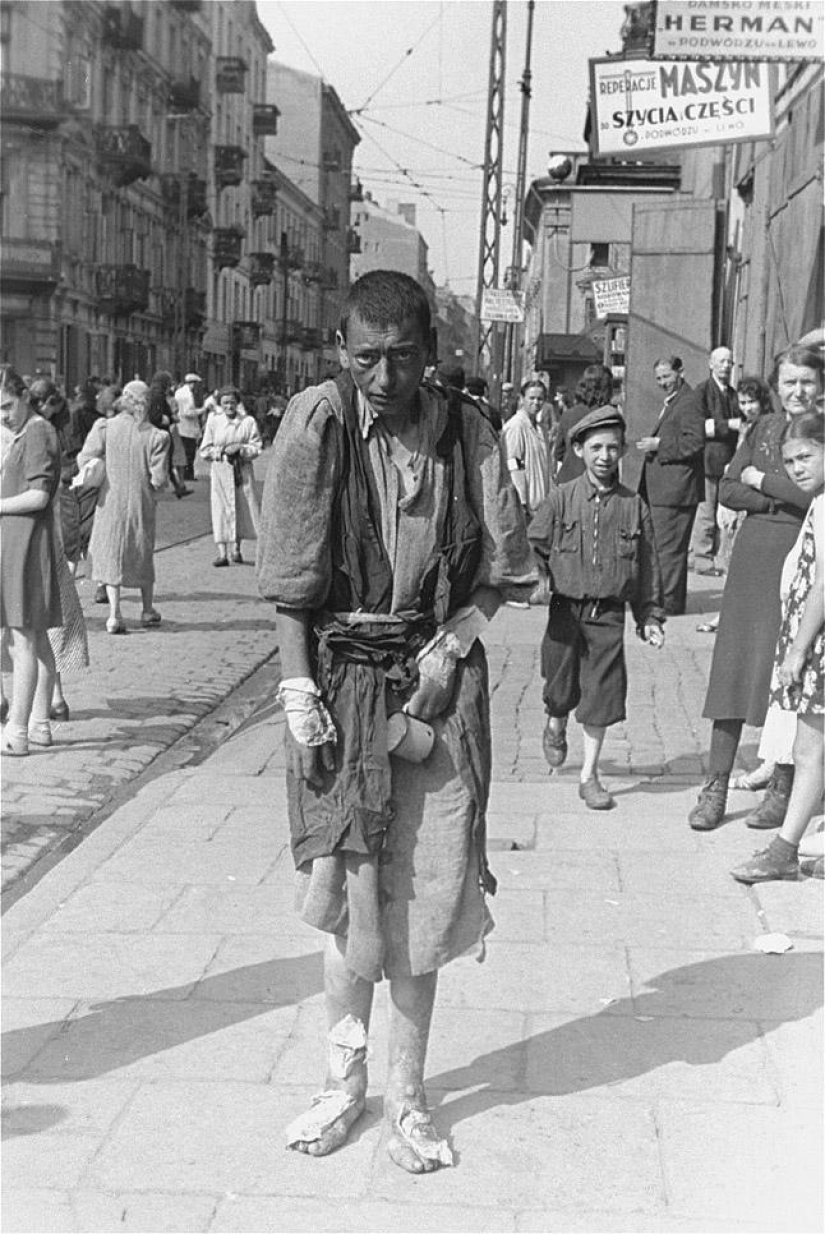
<point>594,538</point>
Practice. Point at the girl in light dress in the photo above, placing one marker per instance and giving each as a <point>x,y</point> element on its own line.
<point>798,682</point>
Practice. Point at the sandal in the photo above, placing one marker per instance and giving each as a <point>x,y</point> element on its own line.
<point>151,618</point>
<point>114,626</point>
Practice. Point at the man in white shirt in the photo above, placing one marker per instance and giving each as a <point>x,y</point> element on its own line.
<point>189,401</point>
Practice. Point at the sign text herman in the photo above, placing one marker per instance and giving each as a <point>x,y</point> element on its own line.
<point>740,29</point>
<point>649,105</point>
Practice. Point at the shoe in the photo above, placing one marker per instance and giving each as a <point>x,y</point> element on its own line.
<point>100,594</point>
<point>60,711</point>
<point>707,627</point>
<point>768,866</point>
<point>236,556</point>
<point>40,733</point>
<point>17,745</point>
<point>113,626</point>
<point>554,746</point>
<point>754,780</point>
<point>813,867</point>
<point>595,796</point>
<point>772,808</point>
<point>220,561</point>
<point>710,571</point>
<point>152,618</point>
<point>709,810</point>
<point>183,492</point>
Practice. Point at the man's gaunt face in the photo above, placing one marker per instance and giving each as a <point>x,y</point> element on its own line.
<point>386,364</point>
<point>721,364</point>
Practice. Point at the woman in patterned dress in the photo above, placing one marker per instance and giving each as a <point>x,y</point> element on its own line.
<point>798,682</point>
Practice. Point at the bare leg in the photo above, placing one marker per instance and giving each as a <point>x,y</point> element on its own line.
<point>58,698</point>
<point>45,679</point>
<point>346,995</point>
<point>593,740</point>
<point>23,647</point>
<point>414,1143</point>
<point>113,596</point>
<point>808,778</point>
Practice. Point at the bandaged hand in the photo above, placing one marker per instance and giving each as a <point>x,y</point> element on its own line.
<point>311,728</point>
<point>438,662</point>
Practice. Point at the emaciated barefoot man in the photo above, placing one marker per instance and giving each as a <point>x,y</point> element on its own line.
<point>389,529</point>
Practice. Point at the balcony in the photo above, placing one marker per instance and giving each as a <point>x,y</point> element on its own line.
<point>29,265</point>
<point>264,197</point>
<point>122,28</point>
<point>356,191</point>
<point>124,152</point>
<point>185,95</point>
<point>33,101</point>
<point>262,268</point>
<point>122,290</point>
<point>229,166</point>
<point>312,340</point>
<point>194,307</point>
<point>230,75</point>
<point>246,336</point>
<point>292,330</point>
<point>353,241</point>
<point>228,245</point>
<point>196,203</point>
<point>264,119</point>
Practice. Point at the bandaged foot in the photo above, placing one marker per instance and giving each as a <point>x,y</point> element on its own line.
<point>326,1124</point>
<point>414,1143</point>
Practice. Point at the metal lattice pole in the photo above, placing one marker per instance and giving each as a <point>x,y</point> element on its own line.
<point>513,367</point>
<point>489,335</point>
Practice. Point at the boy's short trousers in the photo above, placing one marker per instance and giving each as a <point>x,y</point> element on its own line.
<point>582,660</point>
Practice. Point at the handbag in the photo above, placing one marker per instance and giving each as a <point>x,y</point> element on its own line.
<point>237,470</point>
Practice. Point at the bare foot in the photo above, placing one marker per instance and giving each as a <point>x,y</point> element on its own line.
<point>326,1125</point>
<point>414,1142</point>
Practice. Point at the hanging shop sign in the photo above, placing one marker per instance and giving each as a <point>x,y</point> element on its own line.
<point>611,296</point>
<point>739,30</point>
<point>644,105</point>
<point>501,305</point>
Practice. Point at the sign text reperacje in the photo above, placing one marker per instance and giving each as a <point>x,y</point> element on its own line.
<point>740,29</point>
<point>611,296</point>
<point>654,104</point>
<point>499,305</point>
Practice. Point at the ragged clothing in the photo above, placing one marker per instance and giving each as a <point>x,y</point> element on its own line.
<point>345,537</point>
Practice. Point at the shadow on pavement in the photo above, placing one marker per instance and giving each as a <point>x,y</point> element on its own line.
<point>121,1031</point>
<point>696,1014</point>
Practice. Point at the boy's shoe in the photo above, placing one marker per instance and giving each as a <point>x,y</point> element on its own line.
<point>772,808</point>
<point>771,864</point>
<point>14,742</point>
<point>40,733</point>
<point>709,810</point>
<point>595,796</point>
<point>554,746</point>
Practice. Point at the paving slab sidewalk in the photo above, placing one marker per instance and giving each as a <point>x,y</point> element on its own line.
<point>623,1060</point>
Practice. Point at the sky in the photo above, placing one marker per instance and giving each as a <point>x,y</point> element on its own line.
<point>414,76</point>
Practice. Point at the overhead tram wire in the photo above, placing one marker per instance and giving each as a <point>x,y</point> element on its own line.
<point>300,39</point>
<point>406,174</point>
<point>357,111</point>
<point>420,140</point>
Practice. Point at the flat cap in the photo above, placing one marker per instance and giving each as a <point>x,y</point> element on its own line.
<point>600,417</point>
<point>191,377</point>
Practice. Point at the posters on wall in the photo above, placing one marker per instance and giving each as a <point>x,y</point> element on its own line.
<point>644,105</point>
<point>611,295</point>
<point>501,305</point>
<point>740,29</point>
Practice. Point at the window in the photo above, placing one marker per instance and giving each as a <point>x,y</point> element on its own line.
<point>599,254</point>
